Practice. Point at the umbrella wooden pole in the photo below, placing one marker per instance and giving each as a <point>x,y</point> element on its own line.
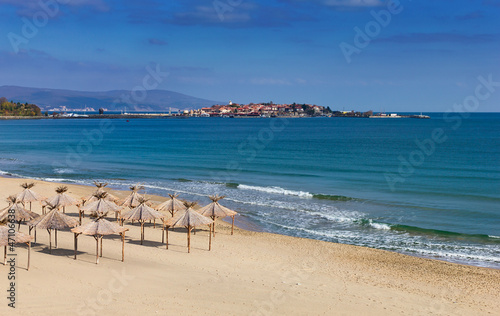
<point>55,237</point>
<point>213,225</point>
<point>30,229</point>
<point>163,234</point>
<point>232,225</point>
<point>154,223</point>
<point>101,246</point>
<point>64,209</point>
<point>50,240</point>
<point>167,236</point>
<point>80,217</point>
<point>209,238</point>
<point>189,238</point>
<point>142,233</point>
<point>18,225</point>
<point>123,247</point>
<point>96,250</point>
<point>30,206</point>
<point>29,252</point>
<point>5,256</point>
<point>76,244</point>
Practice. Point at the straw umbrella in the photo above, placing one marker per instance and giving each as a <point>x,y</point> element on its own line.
<point>99,206</point>
<point>100,189</point>
<point>28,195</point>
<point>17,210</point>
<point>53,220</point>
<point>134,198</point>
<point>142,213</point>
<point>214,210</point>
<point>172,205</point>
<point>98,229</point>
<point>61,199</point>
<point>7,239</point>
<point>190,219</point>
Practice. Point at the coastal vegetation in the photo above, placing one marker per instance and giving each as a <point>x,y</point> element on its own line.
<point>18,109</point>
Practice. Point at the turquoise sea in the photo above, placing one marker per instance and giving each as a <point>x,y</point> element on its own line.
<point>428,188</point>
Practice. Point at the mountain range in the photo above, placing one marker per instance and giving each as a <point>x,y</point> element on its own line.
<point>114,100</point>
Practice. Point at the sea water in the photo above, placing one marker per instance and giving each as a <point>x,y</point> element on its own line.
<point>429,188</point>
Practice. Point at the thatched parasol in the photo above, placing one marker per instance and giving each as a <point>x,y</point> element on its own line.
<point>17,210</point>
<point>172,205</point>
<point>100,189</point>
<point>28,195</point>
<point>100,206</point>
<point>53,220</point>
<point>7,239</point>
<point>142,213</point>
<point>214,210</point>
<point>190,219</point>
<point>61,199</point>
<point>133,200</point>
<point>99,228</point>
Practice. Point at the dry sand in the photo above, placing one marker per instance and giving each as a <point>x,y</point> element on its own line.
<point>248,273</point>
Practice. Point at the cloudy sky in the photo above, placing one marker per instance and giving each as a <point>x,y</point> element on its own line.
<point>355,54</point>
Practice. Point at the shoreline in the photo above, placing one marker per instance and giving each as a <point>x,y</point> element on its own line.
<point>244,224</point>
<point>264,274</point>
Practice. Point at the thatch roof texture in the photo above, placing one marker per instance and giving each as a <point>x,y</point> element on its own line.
<point>101,205</point>
<point>214,210</point>
<point>61,199</point>
<point>28,195</point>
<point>172,205</point>
<point>54,220</point>
<point>20,213</point>
<point>142,212</point>
<point>99,227</point>
<point>100,189</point>
<point>189,219</point>
<point>134,198</point>
<point>93,198</point>
<point>18,237</point>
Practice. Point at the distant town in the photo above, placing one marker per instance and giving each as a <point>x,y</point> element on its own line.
<point>285,110</point>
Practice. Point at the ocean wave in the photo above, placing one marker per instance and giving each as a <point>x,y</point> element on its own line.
<point>276,190</point>
<point>413,245</point>
<point>64,170</point>
<point>59,180</point>
<point>10,174</point>
<point>382,226</point>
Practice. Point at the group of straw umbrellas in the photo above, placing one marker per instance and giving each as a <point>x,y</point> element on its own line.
<point>135,207</point>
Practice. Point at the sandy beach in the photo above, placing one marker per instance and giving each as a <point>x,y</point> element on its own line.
<point>249,273</point>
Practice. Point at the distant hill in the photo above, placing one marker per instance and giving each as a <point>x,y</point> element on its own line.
<point>156,100</point>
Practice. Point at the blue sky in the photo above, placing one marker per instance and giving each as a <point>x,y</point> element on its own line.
<point>426,58</point>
